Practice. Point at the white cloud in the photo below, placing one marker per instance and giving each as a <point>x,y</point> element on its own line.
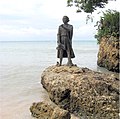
<point>40,18</point>
<point>17,6</point>
<point>25,31</point>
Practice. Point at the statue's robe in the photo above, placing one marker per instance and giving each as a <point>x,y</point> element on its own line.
<point>64,40</point>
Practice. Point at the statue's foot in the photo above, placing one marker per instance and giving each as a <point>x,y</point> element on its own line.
<point>58,64</point>
<point>71,64</point>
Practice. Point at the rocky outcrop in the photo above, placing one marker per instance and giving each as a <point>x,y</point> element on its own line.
<point>81,91</point>
<point>42,110</point>
<point>108,55</point>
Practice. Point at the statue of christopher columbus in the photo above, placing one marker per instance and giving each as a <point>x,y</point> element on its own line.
<point>64,41</point>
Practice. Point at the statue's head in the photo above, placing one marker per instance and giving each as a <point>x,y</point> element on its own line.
<point>65,19</point>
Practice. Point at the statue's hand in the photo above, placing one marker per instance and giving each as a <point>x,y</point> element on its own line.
<point>60,46</point>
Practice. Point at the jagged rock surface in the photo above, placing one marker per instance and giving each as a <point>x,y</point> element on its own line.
<point>42,110</point>
<point>82,91</point>
<point>108,55</point>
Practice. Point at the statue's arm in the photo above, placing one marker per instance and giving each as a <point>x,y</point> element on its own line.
<point>58,36</point>
<point>71,34</point>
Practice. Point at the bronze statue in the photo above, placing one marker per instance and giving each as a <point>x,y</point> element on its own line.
<point>64,41</point>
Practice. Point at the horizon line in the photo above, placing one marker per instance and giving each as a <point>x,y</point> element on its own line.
<point>49,41</point>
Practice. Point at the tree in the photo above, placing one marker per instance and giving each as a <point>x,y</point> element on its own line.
<point>88,6</point>
<point>108,25</point>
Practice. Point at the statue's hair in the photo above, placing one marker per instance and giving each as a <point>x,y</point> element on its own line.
<point>66,18</point>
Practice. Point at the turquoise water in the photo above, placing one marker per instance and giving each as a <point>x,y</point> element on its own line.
<point>21,65</point>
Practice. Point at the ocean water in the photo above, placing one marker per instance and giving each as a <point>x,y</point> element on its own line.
<point>21,65</point>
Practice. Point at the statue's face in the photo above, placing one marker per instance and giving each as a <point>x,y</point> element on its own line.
<point>65,20</point>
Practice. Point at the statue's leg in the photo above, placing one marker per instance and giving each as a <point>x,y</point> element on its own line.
<point>69,59</point>
<point>61,56</point>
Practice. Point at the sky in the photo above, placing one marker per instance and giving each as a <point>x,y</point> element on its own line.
<point>35,20</point>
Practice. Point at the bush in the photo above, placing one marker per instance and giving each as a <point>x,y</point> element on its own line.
<point>108,25</point>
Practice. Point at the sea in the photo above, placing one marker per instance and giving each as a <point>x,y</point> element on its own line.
<point>21,66</point>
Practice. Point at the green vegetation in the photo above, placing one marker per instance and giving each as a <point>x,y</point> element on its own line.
<point>88,6</point>
<point>108,25</point>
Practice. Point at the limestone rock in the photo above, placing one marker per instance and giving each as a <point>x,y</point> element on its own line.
<point>42,110</point>
<point>108,55</point>
<point>81,91</point>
